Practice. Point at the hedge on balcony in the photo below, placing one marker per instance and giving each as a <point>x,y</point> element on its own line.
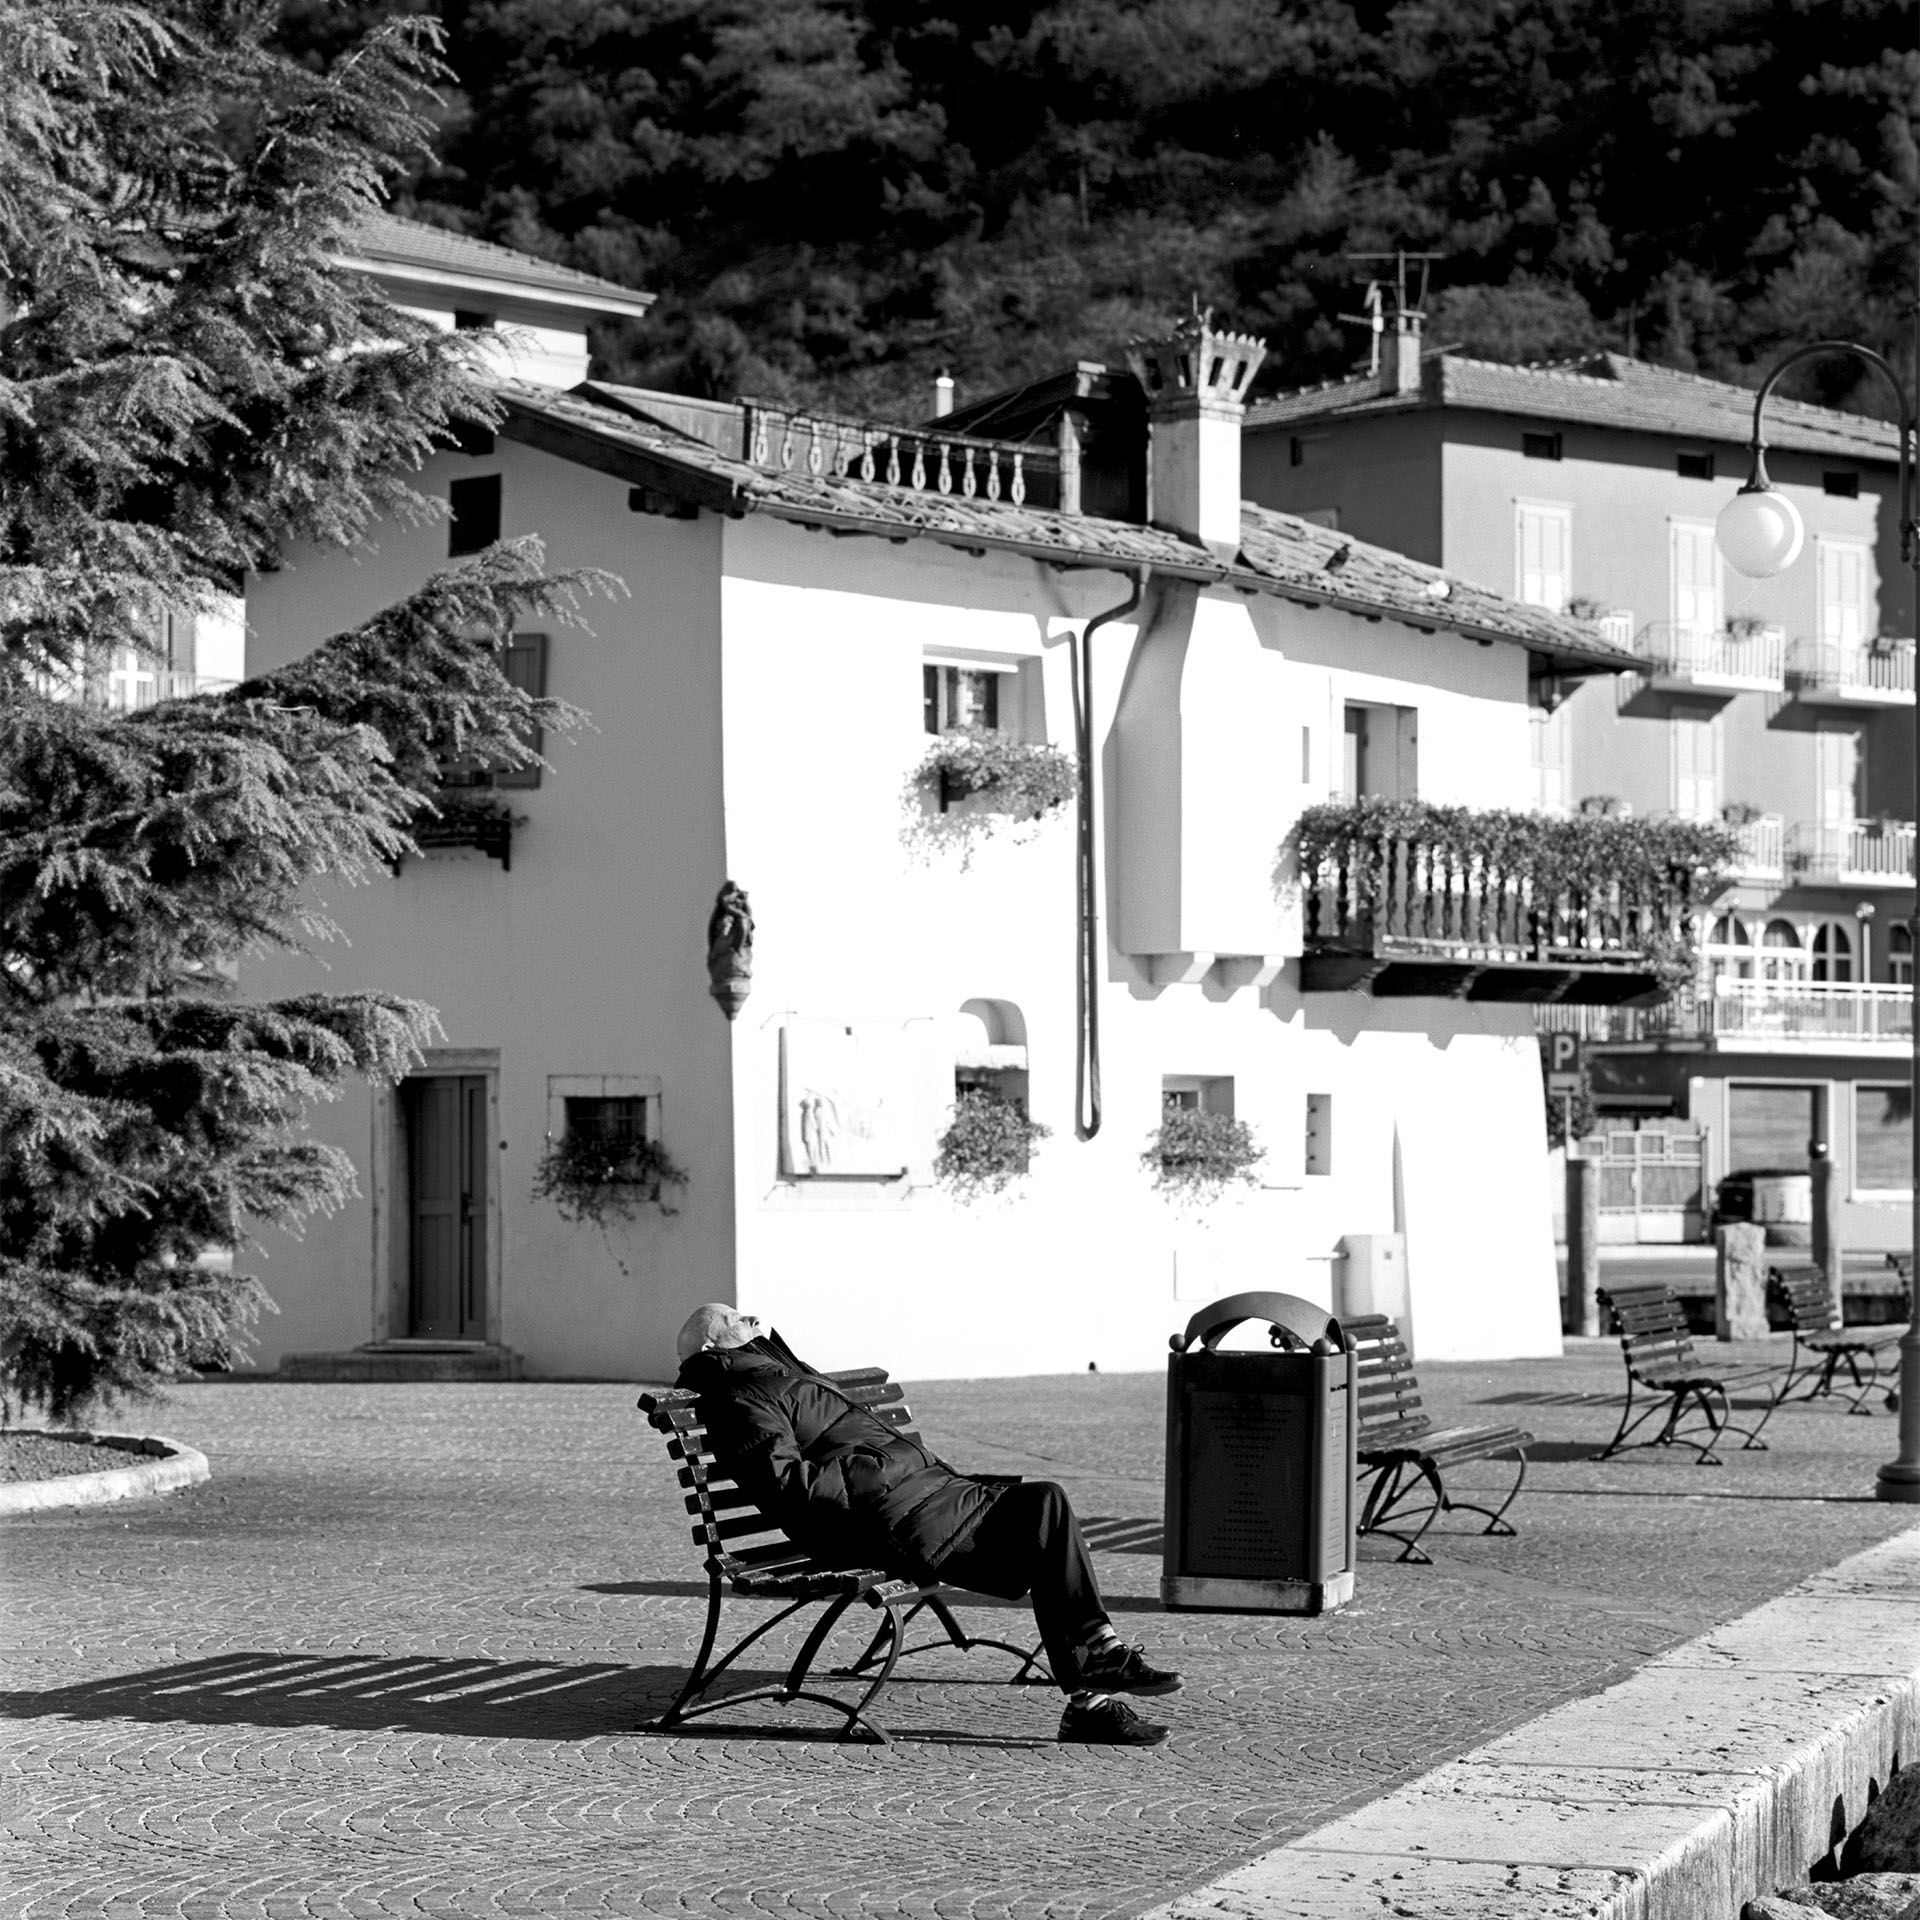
<point>1596,886</point>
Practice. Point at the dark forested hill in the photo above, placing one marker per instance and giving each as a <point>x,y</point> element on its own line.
<point>836,198</point>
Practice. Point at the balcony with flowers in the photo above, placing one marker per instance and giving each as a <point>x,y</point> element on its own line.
<point>1405,898</point>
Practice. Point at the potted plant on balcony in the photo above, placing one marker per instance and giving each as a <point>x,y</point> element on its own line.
<point>1195,1156</point>
<point>1740,813</point>
<point>973,782</point>
<point>987,1146</point>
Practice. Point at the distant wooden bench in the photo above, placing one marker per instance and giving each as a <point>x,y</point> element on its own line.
<point>1406,1454</point>
<point>749,1555</point>
<point>1820,1348</point>
<point>1659,1354</point>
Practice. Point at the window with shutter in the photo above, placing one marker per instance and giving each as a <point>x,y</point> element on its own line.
<point>524,662</point>
<point>1543,545</point>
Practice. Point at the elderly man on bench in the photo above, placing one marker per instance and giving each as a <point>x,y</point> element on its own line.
<point>841,1482</point>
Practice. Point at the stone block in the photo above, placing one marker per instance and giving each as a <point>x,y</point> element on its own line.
<point>1740,1283</point>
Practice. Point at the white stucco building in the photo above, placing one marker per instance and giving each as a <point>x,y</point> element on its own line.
<point>760,698</point>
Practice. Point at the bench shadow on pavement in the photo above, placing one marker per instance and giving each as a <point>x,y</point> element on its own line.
<point>469,1699</point>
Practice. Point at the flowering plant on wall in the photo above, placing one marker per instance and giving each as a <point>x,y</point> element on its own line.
<point>973,783</point>
<point>594,1179</point>
<point>1195,1156</point>
<point>1023,777</point>
<point>988,1144</point>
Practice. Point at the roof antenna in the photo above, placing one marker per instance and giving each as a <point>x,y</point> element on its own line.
<point>1390,305</point>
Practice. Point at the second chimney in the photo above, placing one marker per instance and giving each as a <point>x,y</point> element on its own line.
<point>1196,384</point>
<point>1400,364</point>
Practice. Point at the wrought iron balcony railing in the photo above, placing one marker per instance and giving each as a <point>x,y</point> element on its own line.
<point>785,440</point>
<point>1863,853</point>
<point>1851,673</point>
<point>1694,659</point>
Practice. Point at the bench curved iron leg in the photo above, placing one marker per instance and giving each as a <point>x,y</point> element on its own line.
<point>1496,1516</point>
<point>1031,1671</point>
<point>697,1677</point>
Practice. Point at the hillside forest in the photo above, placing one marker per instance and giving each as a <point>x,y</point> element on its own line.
<point>836,199</point>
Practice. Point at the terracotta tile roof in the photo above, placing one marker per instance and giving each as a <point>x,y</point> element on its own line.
<point>1294,559</point>
<point>388,239</point>
<point>1598,390</point>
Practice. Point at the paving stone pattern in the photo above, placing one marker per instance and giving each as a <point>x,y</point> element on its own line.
<point>398,1657</point>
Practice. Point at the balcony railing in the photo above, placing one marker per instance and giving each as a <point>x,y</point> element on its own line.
<point>1763,848</point>
<point>1694,658</point>
<point>1863,673</point>
<point>1811,1012</point>
<point>823,445</point>
<point>1410,900</point>
<point>1863,854</point>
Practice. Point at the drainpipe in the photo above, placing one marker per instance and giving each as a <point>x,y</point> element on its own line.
<point>1086,1085</point>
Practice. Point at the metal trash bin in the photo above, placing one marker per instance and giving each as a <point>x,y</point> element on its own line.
<point>1260,1462</point>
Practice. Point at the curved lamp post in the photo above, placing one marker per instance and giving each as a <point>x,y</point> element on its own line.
<point>1761,533</point>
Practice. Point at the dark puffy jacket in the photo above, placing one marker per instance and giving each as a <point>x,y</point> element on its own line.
<point>842,1483</point>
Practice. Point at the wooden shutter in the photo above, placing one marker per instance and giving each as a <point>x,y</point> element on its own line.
<point>524,662</point>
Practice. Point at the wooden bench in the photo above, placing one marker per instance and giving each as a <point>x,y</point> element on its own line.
<point>1660,1357</point>
<point>749,1555</point>
<point>1820,1348</point>
<point>1406,1455</point>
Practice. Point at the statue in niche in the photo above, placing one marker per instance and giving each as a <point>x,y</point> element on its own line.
<point>730,948</point>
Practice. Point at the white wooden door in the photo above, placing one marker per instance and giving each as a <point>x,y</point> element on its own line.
<point>1695,754</point>
<point>1694,572</point>
<point>1543,542</point>
<point>1843,593</point>
<point>1840,759</point>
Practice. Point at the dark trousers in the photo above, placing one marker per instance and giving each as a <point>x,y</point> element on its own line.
<point>1030,1542</point>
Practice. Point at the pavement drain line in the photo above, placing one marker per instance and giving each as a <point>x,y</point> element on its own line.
<point>1666,1797</point>
<point>170,1464</point>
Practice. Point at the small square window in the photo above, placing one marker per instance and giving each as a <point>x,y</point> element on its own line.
<point>961,697</point>
<point>1296,452</point>
<point>476,514</point>
<point>1197,1093</point>
<point>472,439</point>
<point>472,320</point>
<point>1842,485</point>
<point>1693,466</point>
<point>1540,446</point>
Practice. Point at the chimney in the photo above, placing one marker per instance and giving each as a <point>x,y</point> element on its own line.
<point>1400,364</point>
<point>1196,383</point>
<point>942,395</point>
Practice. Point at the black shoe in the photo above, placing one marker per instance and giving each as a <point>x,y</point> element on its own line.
<point>1106,1722</point>
<point>1120,1669</point>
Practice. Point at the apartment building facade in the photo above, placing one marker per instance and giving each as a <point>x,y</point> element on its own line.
<point>1784,708</point>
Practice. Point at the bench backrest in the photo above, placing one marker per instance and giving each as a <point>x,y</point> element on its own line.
<point>737,1536</point>
<point>1802,1294</point>
<point>1652,1325</point>
<point>1390,1410</point>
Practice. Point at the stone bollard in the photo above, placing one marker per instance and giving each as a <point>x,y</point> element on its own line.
<point>1579,1310</point>
<point>1740,1283</point>
<point>1826,1226</point>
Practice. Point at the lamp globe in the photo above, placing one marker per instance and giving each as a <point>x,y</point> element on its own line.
<point>1760,532</point>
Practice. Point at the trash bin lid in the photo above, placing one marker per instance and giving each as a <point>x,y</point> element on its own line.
<point>1286,1311</point>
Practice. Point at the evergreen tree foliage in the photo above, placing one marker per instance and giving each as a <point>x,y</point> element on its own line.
<point>836,198</point>
<point>187,383</point>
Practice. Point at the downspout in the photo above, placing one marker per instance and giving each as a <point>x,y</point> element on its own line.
<point>1086,1084</point>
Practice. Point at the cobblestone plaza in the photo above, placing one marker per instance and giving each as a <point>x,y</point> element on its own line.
<point>398,1657</point>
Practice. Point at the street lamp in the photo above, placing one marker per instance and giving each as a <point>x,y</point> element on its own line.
<point>1761,533</point>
